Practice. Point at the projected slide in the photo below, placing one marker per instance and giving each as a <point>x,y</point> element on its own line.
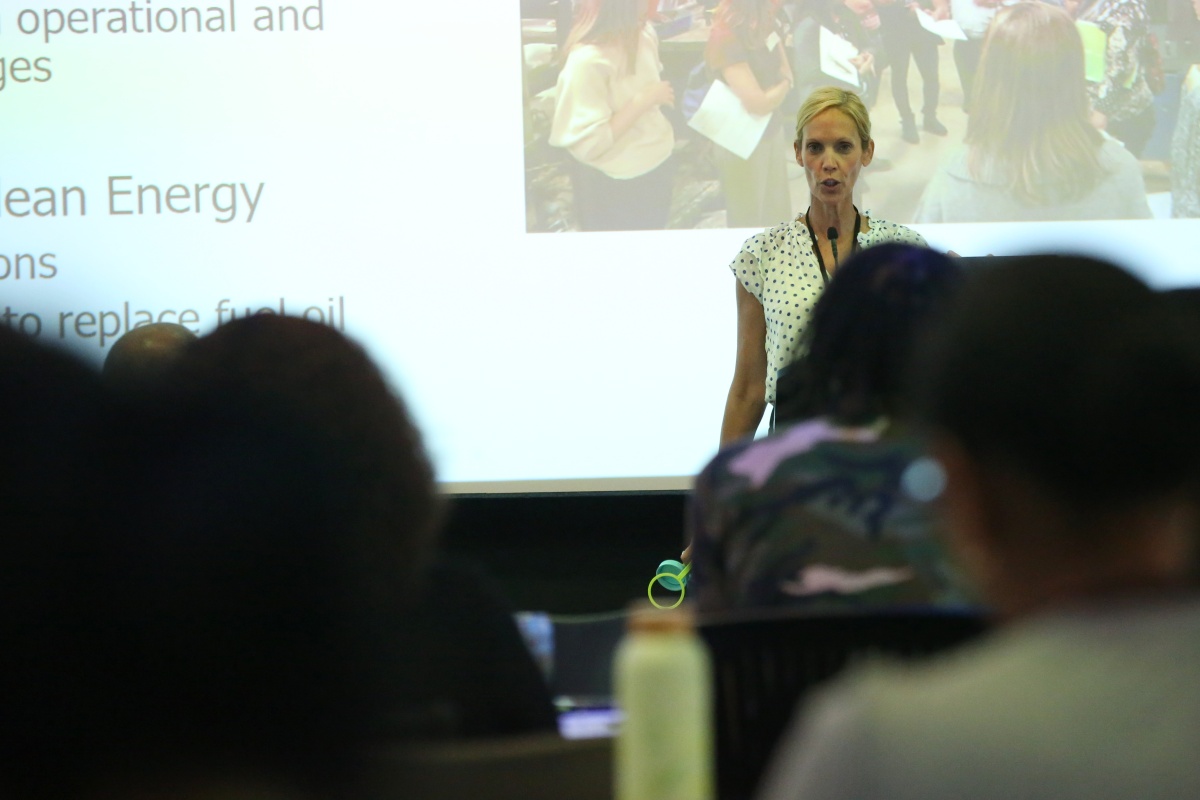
<point>1070,121</point>
<point>386,168</point>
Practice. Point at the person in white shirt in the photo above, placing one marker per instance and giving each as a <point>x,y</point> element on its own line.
<point>608,115</point>
<point>781,271</point>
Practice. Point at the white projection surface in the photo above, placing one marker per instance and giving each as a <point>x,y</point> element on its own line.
<point>362,163</point>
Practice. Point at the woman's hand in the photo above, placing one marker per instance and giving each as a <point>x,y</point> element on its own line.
<point>657,94</point>
<point>740,79</point>
<point>865,63</point>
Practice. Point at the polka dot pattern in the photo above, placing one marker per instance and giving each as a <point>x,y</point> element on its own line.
<point>779,266</point>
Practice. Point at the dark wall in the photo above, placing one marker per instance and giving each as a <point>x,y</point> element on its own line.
<point>568,553</point>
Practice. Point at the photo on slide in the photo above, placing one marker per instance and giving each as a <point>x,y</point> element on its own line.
<point>671,114</point>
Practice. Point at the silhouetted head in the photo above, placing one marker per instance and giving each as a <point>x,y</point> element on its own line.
<point>1070,370</point>
<point>140,358</point>
<point>278,504</point>
<point>52,467</point>
<point>1185,301</point>
<point>1061,394</point>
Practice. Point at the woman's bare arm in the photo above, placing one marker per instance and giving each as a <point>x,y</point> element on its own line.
<point>740,78</point>
<point>746,401</point>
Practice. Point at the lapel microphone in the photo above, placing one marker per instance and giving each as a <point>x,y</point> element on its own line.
<point>832,234</point>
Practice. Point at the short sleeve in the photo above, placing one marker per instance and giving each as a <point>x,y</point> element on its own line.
<point>883,231</point>
<point>909,236</point>
<point>746,265</point>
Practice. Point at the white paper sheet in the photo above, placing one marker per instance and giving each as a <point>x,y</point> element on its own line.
<point>723,118</point>
<point>836,55</point>
<point>945,28</point>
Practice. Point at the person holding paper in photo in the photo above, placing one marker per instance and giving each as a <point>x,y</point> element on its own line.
<point>1123,102</point>
<point>1031,152</point>
<point>857,24</point>
<point>608,115</point>
<point>781,271</point>
<point>746,51</point>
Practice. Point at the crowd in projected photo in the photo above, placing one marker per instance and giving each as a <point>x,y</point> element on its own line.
<point>650,114</point>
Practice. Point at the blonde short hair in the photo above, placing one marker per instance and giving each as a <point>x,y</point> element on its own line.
<point>828,97</point>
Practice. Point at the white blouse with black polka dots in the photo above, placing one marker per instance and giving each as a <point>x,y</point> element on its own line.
<point>779,266</point>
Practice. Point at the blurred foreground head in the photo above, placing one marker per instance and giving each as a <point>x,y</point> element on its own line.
<point>862,333</point>
<point>50,444</point>
<point>143,355</point>
<point>50,420</point>
<point>1185,301</point>
<point>277,504</point>
<point>1062,395</point>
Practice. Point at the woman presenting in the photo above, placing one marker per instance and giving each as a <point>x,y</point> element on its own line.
<point>781,271</point>
<point>607,114</point>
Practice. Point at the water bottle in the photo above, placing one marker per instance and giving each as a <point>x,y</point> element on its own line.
<point>663,677</point>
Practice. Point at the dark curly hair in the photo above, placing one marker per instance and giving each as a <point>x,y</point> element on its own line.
<point>862,333</point>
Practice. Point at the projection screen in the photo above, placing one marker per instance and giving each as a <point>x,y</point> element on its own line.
<point>386,168</point>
